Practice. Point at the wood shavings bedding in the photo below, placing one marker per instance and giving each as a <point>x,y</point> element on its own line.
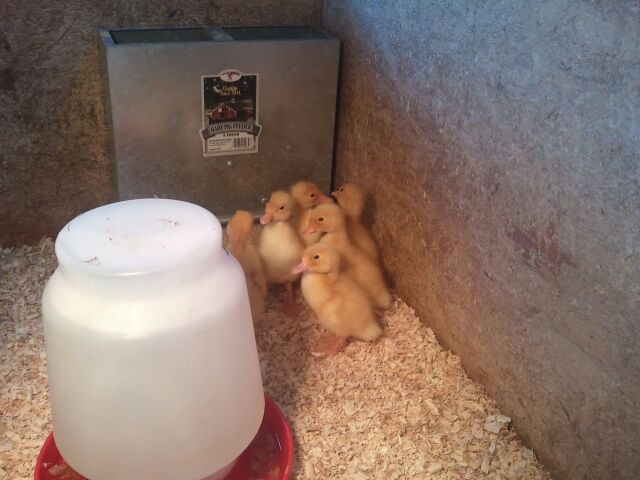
<point>24,399</point>
<point>400,408</point>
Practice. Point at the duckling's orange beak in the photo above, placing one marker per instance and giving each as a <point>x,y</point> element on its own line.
<point>310,229</point>
<point>300,268</point>
<point>324,199</point>
<point>266,218</point>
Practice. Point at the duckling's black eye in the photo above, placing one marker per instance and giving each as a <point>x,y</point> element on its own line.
<point>321,219</point>
<point>316,257</point>
<point>281,207</point>
<point>312,195</point>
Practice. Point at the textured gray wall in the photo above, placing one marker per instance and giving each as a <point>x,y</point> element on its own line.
<point>500,141</point>
<point>53,143</point>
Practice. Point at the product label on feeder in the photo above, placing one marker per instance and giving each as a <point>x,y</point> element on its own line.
<point>230,113</point>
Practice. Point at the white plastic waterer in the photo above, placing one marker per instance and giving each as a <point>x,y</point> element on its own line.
<point>152,362</point>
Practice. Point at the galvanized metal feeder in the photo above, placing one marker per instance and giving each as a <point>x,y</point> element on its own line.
<point>220,116</point>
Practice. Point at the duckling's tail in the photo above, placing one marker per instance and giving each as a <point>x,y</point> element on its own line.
<point>370,332</point>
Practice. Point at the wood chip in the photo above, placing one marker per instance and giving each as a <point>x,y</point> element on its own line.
<point>495,423</point>
<point>6,445</point>
<point>309,471</point>
<point>484,467</point>
<point>493,427</point>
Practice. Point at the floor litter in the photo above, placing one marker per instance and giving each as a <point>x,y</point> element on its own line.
<point>401,408</point>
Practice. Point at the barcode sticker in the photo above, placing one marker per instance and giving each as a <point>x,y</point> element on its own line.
<point>246,142</point>
<point>230,142</point>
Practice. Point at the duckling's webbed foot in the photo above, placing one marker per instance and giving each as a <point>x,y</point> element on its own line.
<point>290,306</point>
<point>330,344</point>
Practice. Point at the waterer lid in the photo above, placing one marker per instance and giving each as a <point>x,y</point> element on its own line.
<point>138,236</point>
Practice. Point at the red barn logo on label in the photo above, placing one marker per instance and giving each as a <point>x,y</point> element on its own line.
<point>230,75</point>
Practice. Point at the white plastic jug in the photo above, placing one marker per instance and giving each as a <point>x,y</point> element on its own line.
<point>152,362</point>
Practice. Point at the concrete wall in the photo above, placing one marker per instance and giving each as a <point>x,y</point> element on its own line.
<point>500,142</point>
<point>53,143</point>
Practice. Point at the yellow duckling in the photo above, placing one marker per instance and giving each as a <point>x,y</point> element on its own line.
<point>351,199</point>
<point>340,304</point>
<point>307,195</point>
<point>280,246</point>
<point>330,220</point>
<point>238,234</point>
